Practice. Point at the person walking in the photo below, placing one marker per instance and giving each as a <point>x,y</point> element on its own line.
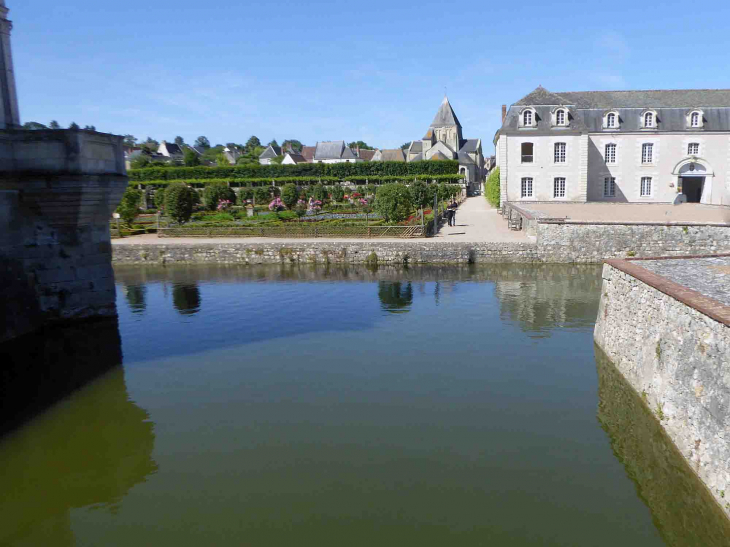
<point>452,213</point>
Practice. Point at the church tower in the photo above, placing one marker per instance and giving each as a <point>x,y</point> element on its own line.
<point>446,127</point>
<point>9,115</point>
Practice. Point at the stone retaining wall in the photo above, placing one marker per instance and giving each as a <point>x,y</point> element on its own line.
<point>595,242</point>
<point>678,359</point>
<point>358,252</point>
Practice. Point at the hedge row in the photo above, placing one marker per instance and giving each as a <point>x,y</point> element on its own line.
<point>304,180</point>
<point>318,170</point>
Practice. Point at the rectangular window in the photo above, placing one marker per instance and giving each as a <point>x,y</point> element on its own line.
<point>560,117</point>
<point>559,187</point>
<point>559,152</point>
<point>527,152</point>
<point>611,153</point>
<point>647,153</point>
<point>693,149</point>
<point>645,187</point>
<point>609,187</point>
<point>527,187</point>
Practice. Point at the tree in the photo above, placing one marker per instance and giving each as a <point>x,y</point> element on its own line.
<point>129,207</point>
<point>492,191</point>
<point>293,144</point>
<point>419,193</point>
<point>215,192</point>
<point>262,194</point>
<point>393,202</point>
<point>338,193</point>
<point>202,142</point>
<point>394,297</point>
<point>129,140</point>
<point>360,144</point>
<point>54,125</point>
<point>74,126</point>
<point>179,201</point>
<point>140,162</point>
<point>405,145</point>
<point>90,128</point>
<point>160,198</point>
<point>186,298</point>
<point>221,160</point>
<point>252,143</point>
<point>319,192</point>
<point>179,140</point>
<point>251,157</point>
<point>190,158</point>
<point>290,195</point>
<point>273,143</point>
<point>33,126</point>
<point>277,160</point>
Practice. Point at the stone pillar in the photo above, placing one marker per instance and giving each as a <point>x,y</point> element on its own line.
<point>9,114</point>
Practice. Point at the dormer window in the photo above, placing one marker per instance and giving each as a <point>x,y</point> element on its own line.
<point>611,120</point>
<point>560,117</point>
<point>695,119</point>
<point>649,120</point>
<point>528,118</point>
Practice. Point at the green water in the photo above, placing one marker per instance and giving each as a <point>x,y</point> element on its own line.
<point>330,407</point>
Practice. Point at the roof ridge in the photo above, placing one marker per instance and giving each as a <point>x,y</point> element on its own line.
<point>641,90</point>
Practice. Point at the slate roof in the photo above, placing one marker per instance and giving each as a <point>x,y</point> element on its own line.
<point>348,154</point>
<point>428,135</point>
<point>308,153</point>
<point>298,158</point>
<point>416,147</point>
<point>393,154</point>
<point>445,115</point>
<point>270,152</point>
<point>367,155</point>
<point>464,159</point>
<point>172,149</point>
<point>470,146</point>
<point>333,150</point>
<point>418,157</point>
<point>439,156</point>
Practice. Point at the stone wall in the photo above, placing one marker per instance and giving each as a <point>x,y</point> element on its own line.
<point>57,192</point>
<point>678,359</point>
<point>594,242</point>
<point>345,252</point>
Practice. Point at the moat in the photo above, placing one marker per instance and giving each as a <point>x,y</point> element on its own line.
<point>279,406</point>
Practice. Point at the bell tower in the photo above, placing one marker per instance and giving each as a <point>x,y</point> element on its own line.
<point>9,115</point>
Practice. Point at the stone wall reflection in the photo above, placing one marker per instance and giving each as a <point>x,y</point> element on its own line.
<point>684,512</point>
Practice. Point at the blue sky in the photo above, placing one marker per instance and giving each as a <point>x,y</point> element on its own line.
<point>335,70</point>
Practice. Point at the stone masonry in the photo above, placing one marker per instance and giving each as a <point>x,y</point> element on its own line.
<point>672,344</point>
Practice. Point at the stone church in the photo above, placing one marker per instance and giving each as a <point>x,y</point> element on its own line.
<point>444,141</point>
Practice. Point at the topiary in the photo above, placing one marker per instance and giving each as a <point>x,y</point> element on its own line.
<point>215,192</point>
<point>393,202</point>
<point>245,194</point>
<point>179,202</point>
<point>338,193</point>
<point>492,188</point>
<point>289,195</point>
<point>129,207</point>
<point>262,194</point>
<point>419,193</point>
<point>319,192</point>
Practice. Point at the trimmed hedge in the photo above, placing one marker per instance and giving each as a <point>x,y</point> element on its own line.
<point>492,190</point>
<point>235,182</point>
<point>312,170</point>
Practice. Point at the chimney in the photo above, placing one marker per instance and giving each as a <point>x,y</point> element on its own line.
<point>504,112</point>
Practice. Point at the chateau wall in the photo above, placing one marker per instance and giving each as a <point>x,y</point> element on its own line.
<point>676,357</point>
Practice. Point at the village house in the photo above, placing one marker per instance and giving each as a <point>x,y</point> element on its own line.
<point>170,150</point>
<point>334,152</point>
<point>616,146</point>
<point>395,154</point>
<point>292,158</point>
<point>269,154</point>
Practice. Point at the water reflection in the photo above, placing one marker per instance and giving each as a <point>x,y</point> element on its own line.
<point>89,449</point>
<point>684,512</point>
<point>136,296</point>
<point>395,297</point>
<point>186,298</point>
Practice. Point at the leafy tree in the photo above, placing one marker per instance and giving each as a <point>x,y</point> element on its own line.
<point>202,142</point>
<point>74,126</point>
<point>252,143</point>
<point>293,144</point>
<point>245,194</point>
<point>251,157</point>
<point>129,207</point>
<point>221,160</point>
<point>152,142</point>
<point>179,202</point>
<point>54,125</point>
<point>362,145</point>
<point>405,145</point>
<point>262,194</point>
<point>273,143</point>
<point>179,140</point>
<point>277,160</point>
<point>338,193</point>
<point>393,202</point>
<point>215,192</point>
<point>129,140</point>
<point>319,192</point>
<point>419,193</point>
<point>492,191</point>
<point>290,195</point>
<point>140,162</point>
<point>90,128</point>
<point>190,158</point>
<point>33,126</point>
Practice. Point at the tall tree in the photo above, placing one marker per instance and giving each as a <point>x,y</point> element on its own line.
<point>360,144</point>
<point>54,125</point>
<point>252,143</point>
<point>293,144</point>
<point>179,140</point>
<point>190,158</point>
<point>251,157</point>
<point>74,126</point>
<point>405,145</point>
<point>130,140</point>
<point>90,128</point>
<point>202,142</point>
<point>273,143</point>
<point>150,140</point>
<point>33,125</point>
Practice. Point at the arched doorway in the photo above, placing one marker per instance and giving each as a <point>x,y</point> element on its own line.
<point>694,180</point>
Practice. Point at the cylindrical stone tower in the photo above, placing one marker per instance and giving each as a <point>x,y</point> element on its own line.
<point>9,115</point>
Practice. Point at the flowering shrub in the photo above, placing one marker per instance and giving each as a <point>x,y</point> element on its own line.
<point>223,205</point>
<point>315,206</point>
<point>276,205</point>
<point>363,202</point>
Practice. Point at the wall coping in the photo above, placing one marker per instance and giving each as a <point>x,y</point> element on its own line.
<point>629,223</point>
<point>704,304</point>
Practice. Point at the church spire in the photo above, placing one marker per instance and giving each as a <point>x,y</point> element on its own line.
<point>9,116</point>
<point>445,115</point>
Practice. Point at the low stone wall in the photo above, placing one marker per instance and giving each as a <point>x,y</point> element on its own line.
<point>358,252</point>
<point>594,242</point>
<point>678,359</point>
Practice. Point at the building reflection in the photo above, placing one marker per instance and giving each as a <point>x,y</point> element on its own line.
<point>186,298</point>
<point>395,297</point>
<point>541,298</point>
<point>90,448</point>
<point>684,512</point>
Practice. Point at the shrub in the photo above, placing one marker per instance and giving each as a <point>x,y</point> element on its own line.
<point>216,192</point>
<point>319,192</point>
<point>419,193</point>
<point>246,193</point>
<point>160,198</point>
<point>289,195</point>
<point>492,192</point>
<point>179,202</point>
<point>338,193</point>
<point>129,207</point>
<point>393,202</point>
<point>262,194</point>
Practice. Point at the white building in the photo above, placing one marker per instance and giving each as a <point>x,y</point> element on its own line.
<point>616,146</point>
<point>334,152</point>
<point>269,154</point>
